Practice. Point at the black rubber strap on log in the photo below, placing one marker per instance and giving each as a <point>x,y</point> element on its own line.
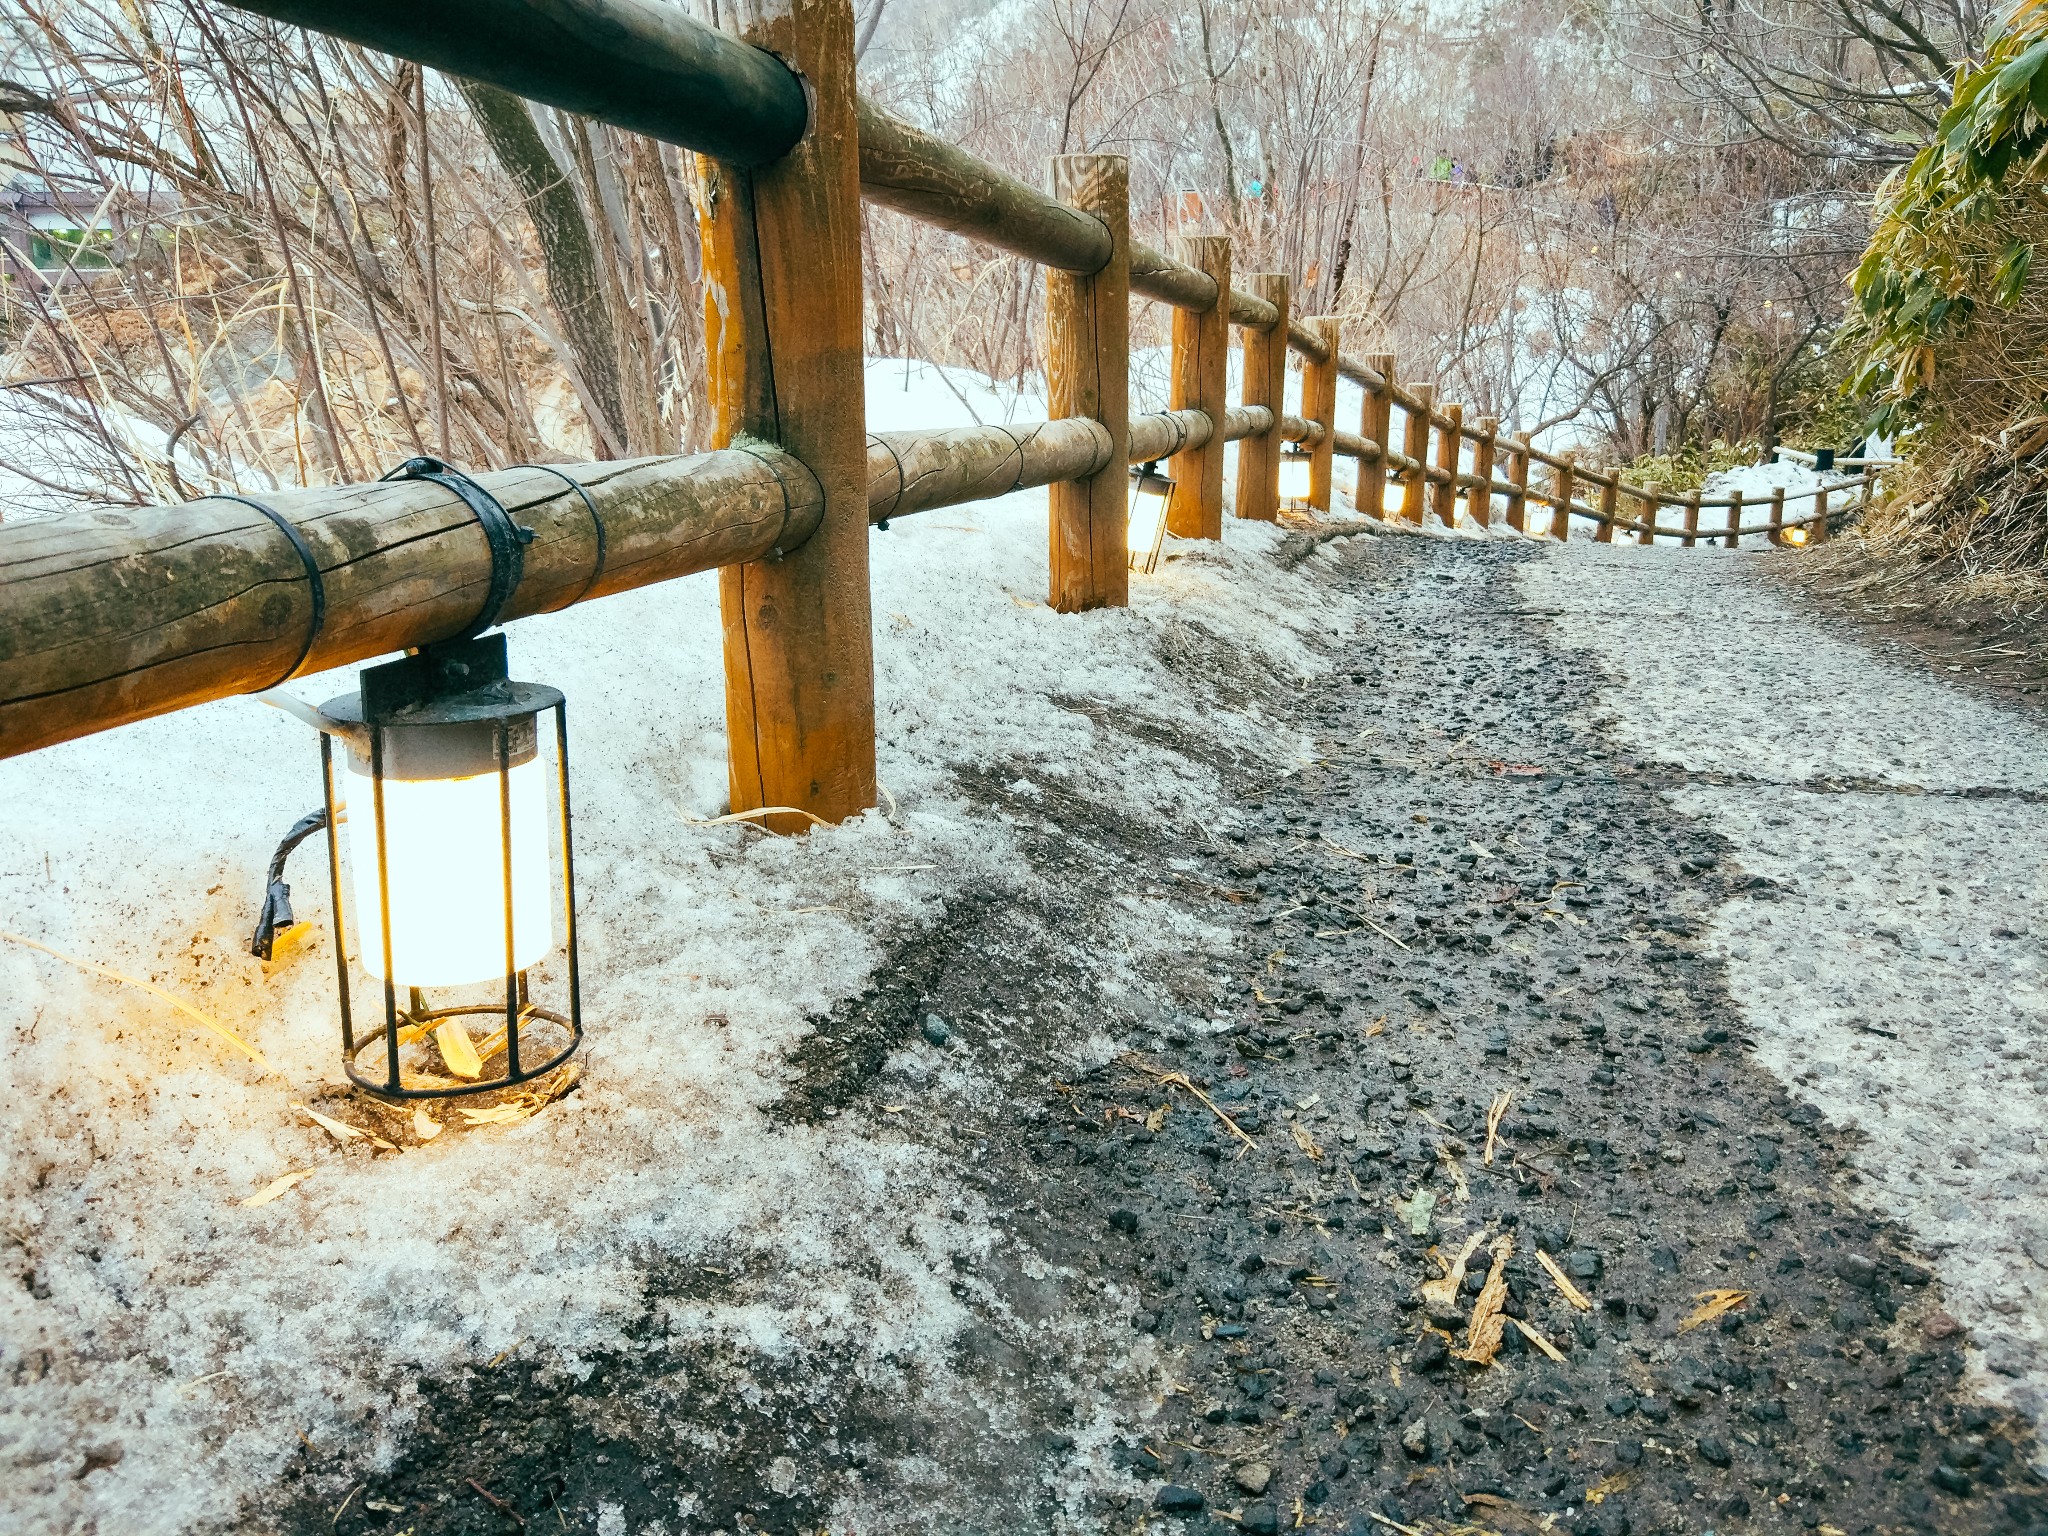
<point>316,585</point>
<point>506,538</point>
<point>596,523</point>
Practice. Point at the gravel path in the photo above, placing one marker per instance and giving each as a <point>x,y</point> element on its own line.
<point>1895,975</point>
<point>1544,887</point>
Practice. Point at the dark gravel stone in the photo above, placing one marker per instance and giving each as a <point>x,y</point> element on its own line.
<point>1431,1352</point>
<point>1125,1221</point>
<point>1715,1451</point>
<point>1261,1519</point>
<point>936,1029</point>
<point>1178,1499</point>
<point>1951,1480</point>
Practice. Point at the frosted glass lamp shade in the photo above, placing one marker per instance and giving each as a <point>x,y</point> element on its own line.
<point>444,842</point>
<point>1151,495</point>
<point>1294,478</point>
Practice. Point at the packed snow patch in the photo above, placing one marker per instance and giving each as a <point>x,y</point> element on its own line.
<point>167,1346</point>
<point>1899,979</point>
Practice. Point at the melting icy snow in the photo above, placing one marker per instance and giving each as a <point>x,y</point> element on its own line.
<point>178,1344</point>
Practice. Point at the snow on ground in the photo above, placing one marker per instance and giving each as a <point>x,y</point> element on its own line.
<point>168,1346</point>
<point>1900,979</point>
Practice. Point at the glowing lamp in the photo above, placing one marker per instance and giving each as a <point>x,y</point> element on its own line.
<point>1294,477</point>
<point>445,792</point>
<point>1151,495</point>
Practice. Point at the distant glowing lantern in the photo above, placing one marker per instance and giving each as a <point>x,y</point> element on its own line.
<point>1294,477</point>
<point>1151,494</point>
<point>445,792</point>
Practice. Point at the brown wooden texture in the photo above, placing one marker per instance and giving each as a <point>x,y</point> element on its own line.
<point>1201,382</point>
<point>1183,283</point>
<point>1162,434</point>
<point>1692,518</point>
<point>782,324</point>
<point>125,615</point>
<point>1375,416</point>
<point>1485,445</point>
<point>1817,530</point>
<point>1450,447</point>
<point>1734,538</point>
<point>1319,404</point>
<point>1303,337</point>
<point>1648,499</point>
<point>1518,498</point>
<point>1243,421</point>
<point>917,471</point>
<point>1610,507</point>
<point>1265,383</point>
<point>1251,312</point>
<point>1415,444</point>
<point>918,173</point>
<point>1566,472</point>
<point>1087,348</point>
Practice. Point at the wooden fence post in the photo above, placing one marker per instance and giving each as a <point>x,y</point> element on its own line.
<point>1610,505</point>
<point>1692,518</point>
<point>1375,421</point>
<point>1518,498</point>
<point>1566,484</point>
<point>1450,450</point>
<point>1415,444</point>
<point>1817,530</point>
<point>1088,354</point>
<point>1265,383</point>
<point>1653,504</point>
<point>782,323</point>
<point>1734,539</point>
<point>1319,404</point>
<point>1483,448</point>
<point>1777,533</point>
<point>1201,381</point>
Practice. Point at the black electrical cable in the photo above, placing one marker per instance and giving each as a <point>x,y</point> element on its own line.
<point>277,896</point>
<point>506,538</point>
<point>315,583</point>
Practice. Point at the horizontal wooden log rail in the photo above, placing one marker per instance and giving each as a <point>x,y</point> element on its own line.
<point>131,614</point>
<point>637,64</point>
<point>920,471</point>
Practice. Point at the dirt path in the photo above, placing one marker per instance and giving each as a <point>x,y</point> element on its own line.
<point>1502,879</point>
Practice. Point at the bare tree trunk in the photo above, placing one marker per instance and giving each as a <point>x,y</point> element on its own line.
<point>575,283</point>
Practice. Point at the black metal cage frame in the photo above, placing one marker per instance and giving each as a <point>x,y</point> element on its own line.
<point>428,700</point>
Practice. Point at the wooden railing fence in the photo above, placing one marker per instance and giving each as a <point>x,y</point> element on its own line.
<point>124,615</point>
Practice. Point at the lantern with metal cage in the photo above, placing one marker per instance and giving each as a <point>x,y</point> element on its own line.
<point>1294,477</point>
<point>445,790</point>
<point>1151,496</point>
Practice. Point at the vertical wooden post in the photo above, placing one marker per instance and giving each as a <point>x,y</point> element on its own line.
<point>1319,404</point>
<point>1518,498</point>
<point>1201,382</point>
<point>1415,444</point>
<point>1817,530</point>
<point>1088,359</point>
<point>1375,422</point>
<point>1653,505</point>
<point>782,326</point>
<point>1265,383</point>
<point>1566,484</point>
<point>1692,518</point>
<point>1610,506</point>
<point>1483,448</point>
<point>1450,451</point>
<point>1777,534</point>
<point>1734,539</point>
